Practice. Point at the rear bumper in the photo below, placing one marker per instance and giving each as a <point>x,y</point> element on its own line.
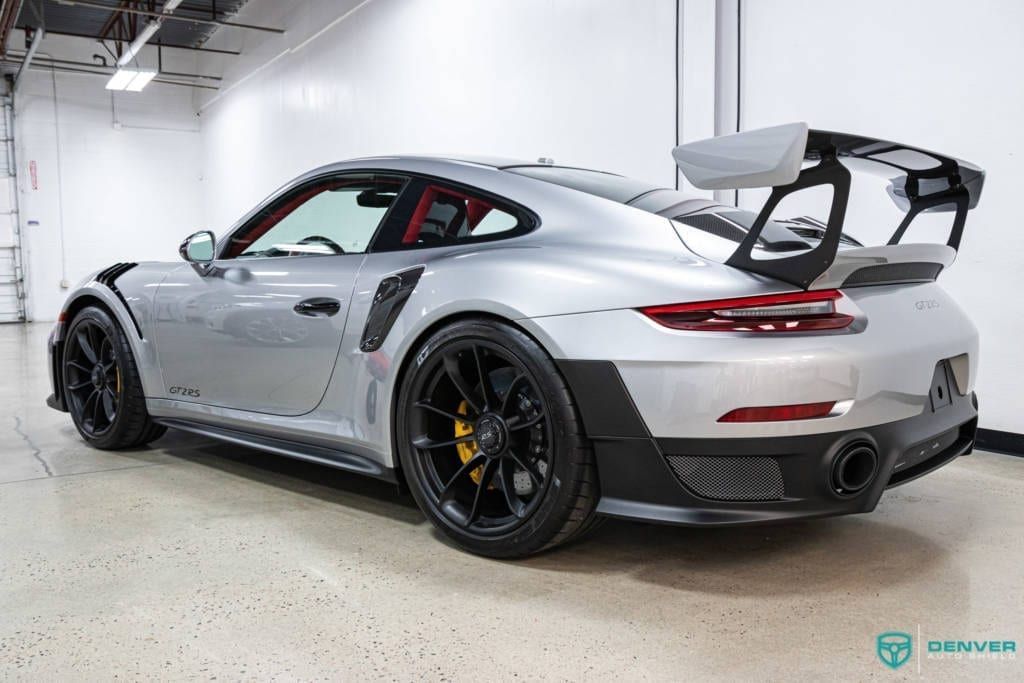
<point>682,382</point>
<point>724,481</point>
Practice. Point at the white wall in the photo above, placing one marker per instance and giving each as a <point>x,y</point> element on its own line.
<point>584,82</point>
<point>590,82</point>
<point>940,75</point>
<point>128,184</point>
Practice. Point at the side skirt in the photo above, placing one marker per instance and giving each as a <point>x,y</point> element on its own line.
<point>292,449</point>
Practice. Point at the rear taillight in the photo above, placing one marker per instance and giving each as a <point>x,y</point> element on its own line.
<point>790,312</point>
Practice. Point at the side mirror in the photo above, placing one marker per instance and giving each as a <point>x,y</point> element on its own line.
<point>198,248</point>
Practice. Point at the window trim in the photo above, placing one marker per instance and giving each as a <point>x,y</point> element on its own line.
<point>297,188</point>
<point>412,194</point>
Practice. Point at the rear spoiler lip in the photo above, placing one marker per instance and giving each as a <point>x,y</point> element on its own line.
<point>909,184</point>
<point>849,261</point>
<point>948,182</point>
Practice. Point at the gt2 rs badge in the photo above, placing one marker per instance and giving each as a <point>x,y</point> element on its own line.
<point>184,391</point>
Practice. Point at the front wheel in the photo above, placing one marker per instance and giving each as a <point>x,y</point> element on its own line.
<point>102,385</point>
<point>491,443</point>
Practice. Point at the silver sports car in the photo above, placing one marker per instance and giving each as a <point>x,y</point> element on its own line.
<point>529,347</point>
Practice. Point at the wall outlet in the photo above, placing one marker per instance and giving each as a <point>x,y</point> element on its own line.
<point>64,284</point>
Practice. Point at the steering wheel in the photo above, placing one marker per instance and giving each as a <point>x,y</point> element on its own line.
<point>326,241</point>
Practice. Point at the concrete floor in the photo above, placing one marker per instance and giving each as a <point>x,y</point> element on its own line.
<point>196,559</point>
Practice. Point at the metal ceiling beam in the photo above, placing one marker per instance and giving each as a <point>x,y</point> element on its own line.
<point>142,37</point>
<point>75,62</point>
<point>45,64</point>
<point>120,27</point>
<point>112,19</point>
<point>122,40</point>
<point>8,17</point>
<point>26,61</point>
<point>171,17</point>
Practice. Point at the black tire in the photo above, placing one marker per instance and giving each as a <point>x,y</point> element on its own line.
<point>526,442</point>
<point>102,385</point>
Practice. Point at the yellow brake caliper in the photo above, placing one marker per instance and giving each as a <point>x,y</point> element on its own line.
<point>467,449</point>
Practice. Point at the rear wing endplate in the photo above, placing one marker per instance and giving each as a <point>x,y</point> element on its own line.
<point>919,181</point>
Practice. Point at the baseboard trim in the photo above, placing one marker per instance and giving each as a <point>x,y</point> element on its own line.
<point>1008,443</point>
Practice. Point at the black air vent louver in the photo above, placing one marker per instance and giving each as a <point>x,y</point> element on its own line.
<point>108,278</point>
<point>710,223</point>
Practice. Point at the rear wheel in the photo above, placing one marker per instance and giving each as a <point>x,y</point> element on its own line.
<point>102,385</point>
<point>491,443</point>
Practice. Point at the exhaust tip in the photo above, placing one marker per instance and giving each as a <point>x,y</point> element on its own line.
<point>854,468</point>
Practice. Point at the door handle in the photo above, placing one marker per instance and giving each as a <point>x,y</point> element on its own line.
<point>319,307</point>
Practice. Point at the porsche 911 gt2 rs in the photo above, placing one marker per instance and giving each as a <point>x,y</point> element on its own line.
<point>531,347</point>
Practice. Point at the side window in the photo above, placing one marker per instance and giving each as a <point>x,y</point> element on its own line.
<point>444,216</point>
<point>334,215</point>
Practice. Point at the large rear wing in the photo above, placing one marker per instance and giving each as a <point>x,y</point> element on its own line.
<point>919,181</point>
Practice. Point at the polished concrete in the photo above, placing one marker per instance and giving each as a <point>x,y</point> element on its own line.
<point>196,559</point>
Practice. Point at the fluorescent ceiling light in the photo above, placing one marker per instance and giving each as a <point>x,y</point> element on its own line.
<point>141,80</point>
<point>120,79</point>
<point>132,80</point>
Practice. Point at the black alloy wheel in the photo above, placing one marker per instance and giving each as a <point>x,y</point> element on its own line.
<point>93,380</point>
<point>510,429</point>
<point>491,444</point>
<point>101,383</point>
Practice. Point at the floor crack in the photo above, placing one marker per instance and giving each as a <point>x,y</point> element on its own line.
<point>36,453</point>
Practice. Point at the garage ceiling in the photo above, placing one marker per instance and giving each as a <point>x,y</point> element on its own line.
<point>89,20</point>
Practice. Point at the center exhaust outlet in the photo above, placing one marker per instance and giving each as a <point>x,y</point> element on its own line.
<point>854,468</point>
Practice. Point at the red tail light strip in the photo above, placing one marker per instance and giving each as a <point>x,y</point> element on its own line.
<point>801,411</point>
<point>789,312</point>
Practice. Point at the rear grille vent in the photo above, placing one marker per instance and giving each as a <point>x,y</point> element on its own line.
<point>734,226</point>
<point>818,233</point>
<point>730,478</point>
<point>710,223</point>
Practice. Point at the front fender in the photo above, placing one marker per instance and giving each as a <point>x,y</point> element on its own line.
<point>128,297</point>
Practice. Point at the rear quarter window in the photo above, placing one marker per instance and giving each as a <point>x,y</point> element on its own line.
<point>441,214</point>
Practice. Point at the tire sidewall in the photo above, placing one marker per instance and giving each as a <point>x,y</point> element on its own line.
<point>97,315</point>
<point>547,519</point>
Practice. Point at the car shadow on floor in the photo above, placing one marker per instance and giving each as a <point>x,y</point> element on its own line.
<point>814,556</point>
<point>843,554</point>
<point>297,476</point>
